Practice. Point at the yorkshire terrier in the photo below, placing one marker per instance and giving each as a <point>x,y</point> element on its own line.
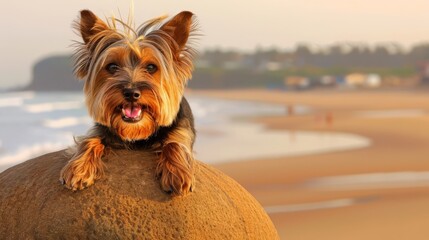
<point>134,81</point>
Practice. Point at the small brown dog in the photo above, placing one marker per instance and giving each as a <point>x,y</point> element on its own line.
<point>134,84</point>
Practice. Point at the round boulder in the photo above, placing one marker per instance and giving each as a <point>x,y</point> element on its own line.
<point>127,203</point>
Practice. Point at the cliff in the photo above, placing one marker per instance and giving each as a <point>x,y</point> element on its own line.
<point>54,73</point>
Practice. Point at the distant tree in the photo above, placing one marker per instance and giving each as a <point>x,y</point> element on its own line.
<point>420,52</point>
<point>303,55</point>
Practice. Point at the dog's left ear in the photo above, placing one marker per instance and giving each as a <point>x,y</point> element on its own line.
<point>179,28</point>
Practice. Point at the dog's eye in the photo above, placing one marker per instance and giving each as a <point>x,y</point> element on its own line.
<point>151,68</point>
<point>112,68</point>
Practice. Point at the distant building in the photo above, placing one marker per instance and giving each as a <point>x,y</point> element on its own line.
<point>392,81</point>
<point>327,81</point>
<point>424,72</point>
<point>340,81</point>
<point>355,80</point>
<point>373,80</point>
<point>296,82</point>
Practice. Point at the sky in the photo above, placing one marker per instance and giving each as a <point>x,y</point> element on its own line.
<point>32,30</point>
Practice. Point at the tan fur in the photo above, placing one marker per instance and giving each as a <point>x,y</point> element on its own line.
<point>85,166</point>
<point>167,47</point>
<point>176,163</point>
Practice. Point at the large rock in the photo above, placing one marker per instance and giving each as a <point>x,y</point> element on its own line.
<point>126,204</point>
<point>54,73</point>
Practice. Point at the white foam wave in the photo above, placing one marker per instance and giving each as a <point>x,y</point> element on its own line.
<point>11,102</point>
<point>248,141</point>
<point>66,122</point>
<point>49,107</point>
<point>26,153</point>
<point>394,113</point>
<point>23,94</point>
<point>371,181</point>
<point>311,206</point>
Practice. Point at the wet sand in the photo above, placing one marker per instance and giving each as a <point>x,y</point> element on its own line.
<point>377,192</point>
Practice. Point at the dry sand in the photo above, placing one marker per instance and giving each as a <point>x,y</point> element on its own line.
<point>301,193</point>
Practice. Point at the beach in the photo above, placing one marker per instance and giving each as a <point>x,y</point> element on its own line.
<point>376,192</point>
<point>324,164</point>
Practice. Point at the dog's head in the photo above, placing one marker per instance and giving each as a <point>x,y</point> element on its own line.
<point>134,78</point>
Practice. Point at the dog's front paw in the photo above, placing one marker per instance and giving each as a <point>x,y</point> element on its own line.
<point>77,176</point>
<point>175,170</point>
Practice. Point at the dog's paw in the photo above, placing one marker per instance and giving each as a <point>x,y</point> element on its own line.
<point>175,170</point>
<point>175,181</point>
<point>75,177</point>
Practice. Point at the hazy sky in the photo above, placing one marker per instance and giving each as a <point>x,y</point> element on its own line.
<point>31,30</point>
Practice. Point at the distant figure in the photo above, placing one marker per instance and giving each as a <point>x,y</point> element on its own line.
<point>290,110</point>
<point>329,119</point>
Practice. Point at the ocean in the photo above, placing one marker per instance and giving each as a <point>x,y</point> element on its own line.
<point>35,123</point>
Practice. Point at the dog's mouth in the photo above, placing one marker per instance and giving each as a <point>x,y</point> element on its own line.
<point>132,112</point>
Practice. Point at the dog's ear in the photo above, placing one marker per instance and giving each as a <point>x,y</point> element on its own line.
<point>90,25</point>
<point>179,28</point>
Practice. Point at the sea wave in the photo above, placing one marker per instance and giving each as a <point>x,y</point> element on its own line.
<point>221,121</point>
<point>66,122</point>
<point>392,113</point>
<point>25,153</point>
<point>11,102</point>
<point>23,94</point>
<point>378,180</point>
<point>336,203</point>
<point>49,107</point>
<point>249,141</point>
<point>14,99</point>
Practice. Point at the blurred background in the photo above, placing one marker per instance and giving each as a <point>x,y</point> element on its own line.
<point>320,109</point>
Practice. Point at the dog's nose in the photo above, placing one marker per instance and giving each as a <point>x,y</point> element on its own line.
<point>131,94</point>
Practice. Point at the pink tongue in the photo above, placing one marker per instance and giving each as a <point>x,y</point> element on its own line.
<point>132,112</point>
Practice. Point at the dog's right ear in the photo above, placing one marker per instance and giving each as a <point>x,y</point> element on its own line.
<point>90,25</point>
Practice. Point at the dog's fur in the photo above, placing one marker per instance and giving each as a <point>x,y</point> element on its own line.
<point>134,84</point>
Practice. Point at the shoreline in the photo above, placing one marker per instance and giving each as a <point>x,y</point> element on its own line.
<point>399,143</point>
<point>220,129</point>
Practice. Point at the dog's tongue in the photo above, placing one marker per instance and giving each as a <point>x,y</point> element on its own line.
<point>132,111</point>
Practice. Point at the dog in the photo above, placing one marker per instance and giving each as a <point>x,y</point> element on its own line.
<point>134,81</point>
